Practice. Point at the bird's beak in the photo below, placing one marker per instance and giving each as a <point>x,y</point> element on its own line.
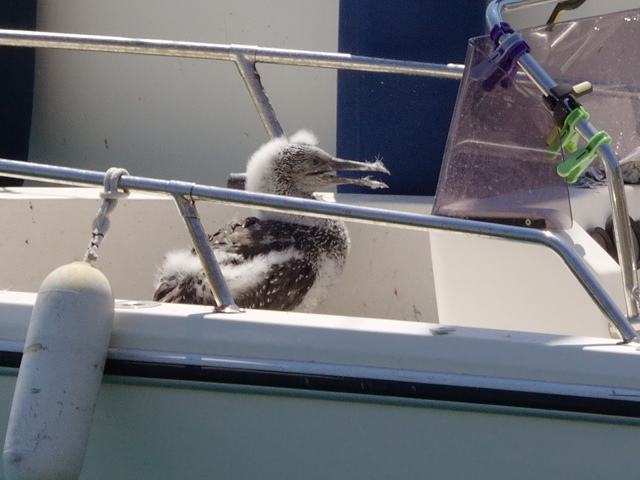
<point>337,165</point>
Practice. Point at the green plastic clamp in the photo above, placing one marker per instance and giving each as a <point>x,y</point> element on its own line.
<point>567,136</point>
<point>571,168</point>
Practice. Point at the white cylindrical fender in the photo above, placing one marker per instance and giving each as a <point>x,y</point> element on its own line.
<point>60,374</point>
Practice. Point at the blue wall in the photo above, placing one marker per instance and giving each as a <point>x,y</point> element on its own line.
<point>16,84</point>
<point>403,119</point>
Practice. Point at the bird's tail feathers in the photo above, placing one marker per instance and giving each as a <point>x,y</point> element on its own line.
<point>181,280</point>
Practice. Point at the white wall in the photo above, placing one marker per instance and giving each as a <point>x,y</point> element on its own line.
<point>179,118</point>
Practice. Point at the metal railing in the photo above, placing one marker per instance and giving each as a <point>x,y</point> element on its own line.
<point>615,182</point>
<point>244,56</point>
<point>389,218</point>
<point>185,194</point>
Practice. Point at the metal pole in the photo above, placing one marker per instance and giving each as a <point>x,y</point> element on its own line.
<point>260,99</point>
<point>221,294</point>
<point>344,61</point>
<point>245,58</point>
<point>496,7</point>
<point>620,214</point>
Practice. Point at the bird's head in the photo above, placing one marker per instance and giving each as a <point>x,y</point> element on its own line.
<point>296,167</point>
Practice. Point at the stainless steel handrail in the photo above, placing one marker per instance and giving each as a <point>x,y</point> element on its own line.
<point>375,216</point>
<point>244,56</point>
<point>615,182</point>
<point>496,8</point>
<point>306,58</point>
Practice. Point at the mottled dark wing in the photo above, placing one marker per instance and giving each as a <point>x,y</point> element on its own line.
<point>251,237</point>
<point>286,283</point>
<point>284,288</point>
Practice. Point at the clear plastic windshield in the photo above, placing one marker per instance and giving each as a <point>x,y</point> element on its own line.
<point>496,166</point>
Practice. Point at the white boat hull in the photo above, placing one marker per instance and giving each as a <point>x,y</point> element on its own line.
<point>367,399</point>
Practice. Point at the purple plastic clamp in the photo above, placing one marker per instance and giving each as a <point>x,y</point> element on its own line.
<point>498,30</point>
<point>501,66</point>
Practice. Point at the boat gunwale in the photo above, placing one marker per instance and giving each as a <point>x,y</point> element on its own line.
<point>198,371</point>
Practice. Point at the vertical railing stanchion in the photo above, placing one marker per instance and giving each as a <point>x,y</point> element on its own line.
<point>260,99</point>
<point>224,300</point>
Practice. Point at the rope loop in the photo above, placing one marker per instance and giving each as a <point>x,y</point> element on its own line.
<point>101,223</point>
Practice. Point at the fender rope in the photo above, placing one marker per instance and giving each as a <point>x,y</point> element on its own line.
<point>101,223</point>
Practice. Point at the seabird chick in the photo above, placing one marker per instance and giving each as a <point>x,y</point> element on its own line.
<point>274,260</point>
